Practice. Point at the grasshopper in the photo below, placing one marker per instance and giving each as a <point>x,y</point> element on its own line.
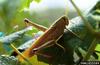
<point>52,34</point>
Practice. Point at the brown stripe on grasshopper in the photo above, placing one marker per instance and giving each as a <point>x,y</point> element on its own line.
<point>53,33</point>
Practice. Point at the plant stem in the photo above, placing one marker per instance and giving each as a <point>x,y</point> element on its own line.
<point>91,30</point>
<point>87,24</point>
<point>16,50</point>
<point>90,50</point>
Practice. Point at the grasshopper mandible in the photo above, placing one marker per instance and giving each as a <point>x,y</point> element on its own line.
<point>55,31</point>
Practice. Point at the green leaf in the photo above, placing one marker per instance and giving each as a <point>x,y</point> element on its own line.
<point>8,60</point>
<point>14,36</point>
<point>36,62</point>
<point>98,49</point>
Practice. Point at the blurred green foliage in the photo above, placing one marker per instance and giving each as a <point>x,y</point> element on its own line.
<point>37,1</point>
<point>98,49</point>
<point>6,60</point>
<point>12,13</point>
